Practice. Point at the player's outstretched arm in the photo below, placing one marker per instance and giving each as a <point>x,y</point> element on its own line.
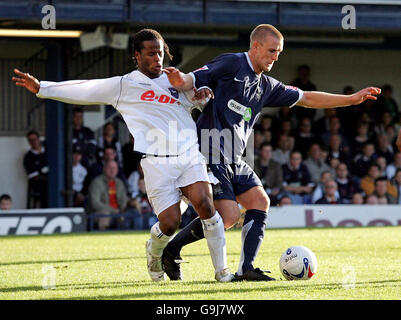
<point>84,92</point>
<point>398,142</point>
<point>323,100</point>
<point>27,81</point>
<point>179,80</point>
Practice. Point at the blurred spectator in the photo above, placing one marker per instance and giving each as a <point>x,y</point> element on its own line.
<point>348,114</point>
<point>304,138</point>
<point>286,128</point>
<point>107,195</point>
<point>318,192</point>
<point>109,140</point>
<point>334,129</point>
<point>336,151</point>
<point>363,160</point>
<point>79,173</point>
<point>316,166</point>
<point>323,124</point>
<point>397,123</point>
<point>357,198</point>
<point>35,165</point>
<point>269,171</point>
<point>362,137</point>
<point>397,184</point>
<point>368,182</point>
<point>371,199</point>
<point>258,140</point>
<point>382,164</point>
<point>133,182</point>
<point>296,180</point>
<point>382,200</point>
<point>267,134</point>
<point>96,169</point>
<point>398,142</point>
<point>382,192</point>
<point>330,194</point>
<point>386,101</point>
<point>5,202</point>
<point>384,148</point>
<point>393,167</point>
<point>285,201</point>
<point>131,159</point>
<point>83,138</point>
<point>282,153</point>
<point>391,135</point>
<point>283,115</point>
<point>333,164</point>
<point>149,218</point>
<point>266,122</point>
<point>347,187</point>
<point>385,122</point>
<point>304,83</point>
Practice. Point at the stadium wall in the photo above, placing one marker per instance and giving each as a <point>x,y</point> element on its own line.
<point>13,180</point>
<point>311,216</point>
<point>72,220</point>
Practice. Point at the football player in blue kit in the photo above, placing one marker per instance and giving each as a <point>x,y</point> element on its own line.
<point>239,90</point>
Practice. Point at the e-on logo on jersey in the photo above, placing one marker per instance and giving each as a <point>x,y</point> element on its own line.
<point>151,96</point>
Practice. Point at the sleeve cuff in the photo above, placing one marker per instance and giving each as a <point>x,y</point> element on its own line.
<point>301,94</point>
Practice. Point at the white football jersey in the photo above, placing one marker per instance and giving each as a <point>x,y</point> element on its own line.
<point>156,114</point>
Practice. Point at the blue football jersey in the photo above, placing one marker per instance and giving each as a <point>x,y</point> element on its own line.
<point>240,94</point>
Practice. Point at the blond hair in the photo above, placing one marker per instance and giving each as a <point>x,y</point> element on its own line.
<point>262,31</point>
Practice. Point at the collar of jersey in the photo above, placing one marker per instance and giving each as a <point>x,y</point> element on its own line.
<point>250,64</point>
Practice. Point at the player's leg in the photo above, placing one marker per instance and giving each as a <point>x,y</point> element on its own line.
<point>159,176</point>
<point>256,202</point>
<point>200,195</point>
<point>193,231</point>
<point>160,234</point>
<point>226,206</point>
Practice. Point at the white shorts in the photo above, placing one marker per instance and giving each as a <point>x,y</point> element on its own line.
<point>165,175</point>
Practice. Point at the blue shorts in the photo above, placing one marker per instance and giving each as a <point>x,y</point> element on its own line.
<point>235,179</point>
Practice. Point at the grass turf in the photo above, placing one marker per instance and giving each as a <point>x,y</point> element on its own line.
<point>354,263</point>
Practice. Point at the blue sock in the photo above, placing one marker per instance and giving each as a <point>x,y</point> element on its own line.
<point>190,233</point>
<point>253,232</point>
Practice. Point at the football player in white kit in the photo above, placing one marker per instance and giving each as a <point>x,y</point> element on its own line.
<point>157,116</point>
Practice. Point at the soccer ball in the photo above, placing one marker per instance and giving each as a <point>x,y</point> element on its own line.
<point>298,263</point>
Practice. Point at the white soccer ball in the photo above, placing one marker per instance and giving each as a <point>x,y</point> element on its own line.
<point>298,263</point>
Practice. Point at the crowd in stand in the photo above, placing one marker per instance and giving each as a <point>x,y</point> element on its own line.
<point>347,156</point>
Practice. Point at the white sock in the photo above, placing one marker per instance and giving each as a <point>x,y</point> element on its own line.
<point>158,240</point>
<point>213,229</point>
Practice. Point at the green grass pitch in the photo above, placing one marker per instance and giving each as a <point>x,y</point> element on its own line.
<point>354,263</point>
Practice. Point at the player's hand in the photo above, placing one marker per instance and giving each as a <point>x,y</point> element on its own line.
<point>204,94</point>
<point>398,142</point>
<point>27,81</point>
<point>365,94</point>
<point>174,76</point>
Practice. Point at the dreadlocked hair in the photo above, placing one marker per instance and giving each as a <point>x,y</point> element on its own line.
<point>148,35</point>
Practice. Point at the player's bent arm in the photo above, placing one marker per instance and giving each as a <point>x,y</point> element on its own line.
<point>180,81</point>
<point>324,100</point>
